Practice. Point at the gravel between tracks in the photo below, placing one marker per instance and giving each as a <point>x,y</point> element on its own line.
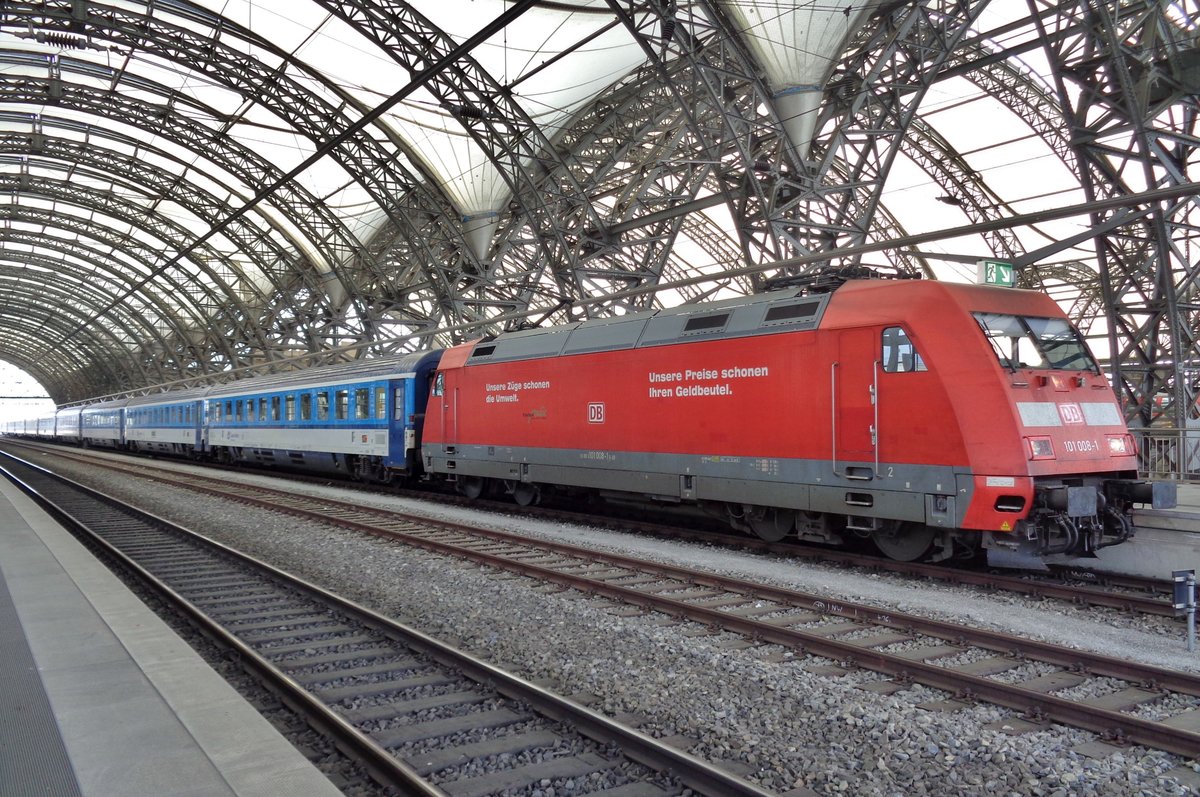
<point>787,727</point>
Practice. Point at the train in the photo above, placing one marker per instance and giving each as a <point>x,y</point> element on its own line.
<point>934,419</point>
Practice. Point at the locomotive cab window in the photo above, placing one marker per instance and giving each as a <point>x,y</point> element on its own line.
<point>899,353</point>
<point>439,385</point>
<point>1040,343</point>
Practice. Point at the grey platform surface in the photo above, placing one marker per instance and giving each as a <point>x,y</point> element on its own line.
<point>99,698</point>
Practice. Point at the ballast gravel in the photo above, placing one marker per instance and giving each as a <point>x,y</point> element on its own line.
<point>778,723</point>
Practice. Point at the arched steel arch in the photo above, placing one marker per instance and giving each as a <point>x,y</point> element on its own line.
<point>406,196</point>
<point>172,120</point>
<point>520,150</point>
<point>129,326</point>
<point>53,306</point>
<point>157,228</point>
<point>122,260</point>
<point>613,200</point>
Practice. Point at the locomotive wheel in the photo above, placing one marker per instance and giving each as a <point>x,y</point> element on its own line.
<point>526,494</point>
<point>907,542</point>
<point>470,486</point>
<point>771,525</point>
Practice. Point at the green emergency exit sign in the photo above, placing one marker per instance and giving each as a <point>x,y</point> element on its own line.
<point>997,272</point>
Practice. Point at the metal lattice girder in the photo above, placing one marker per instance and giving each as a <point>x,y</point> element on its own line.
<point>120,256</point>
<point>180,125</point>
<point>684,167</point>
<point>39,304</point>
<point>520,151</point>
<point>97,249</point>
<point>221,57</point>
<point>1118,77</point>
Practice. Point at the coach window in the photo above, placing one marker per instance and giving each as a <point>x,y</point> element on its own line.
<point>306,406</point>
<point>381,402</point>
<point>899,353</point>
<point>322,406</point>
<point>262,409</point>
<point>341,405</point>
<point>239,415</point>
<point>289,408</point>
<point>362,403</point>
<point>398,403</point>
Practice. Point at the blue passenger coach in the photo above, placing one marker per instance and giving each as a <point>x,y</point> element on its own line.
<point>66,425</point>
<point>167,423</point>
<point>103,424</point>
<point>359,419</point>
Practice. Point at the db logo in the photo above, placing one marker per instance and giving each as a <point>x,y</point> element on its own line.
<point>596,412</point>
<point>1071,414</point>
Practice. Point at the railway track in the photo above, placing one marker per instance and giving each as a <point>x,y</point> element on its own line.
<point>418,715</point>
<point>1074,585</point>
<point>1043,682</point>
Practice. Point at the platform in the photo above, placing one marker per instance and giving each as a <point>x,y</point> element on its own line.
<point>98,697</point>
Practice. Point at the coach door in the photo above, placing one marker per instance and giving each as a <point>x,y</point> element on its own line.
<point>854,387</point>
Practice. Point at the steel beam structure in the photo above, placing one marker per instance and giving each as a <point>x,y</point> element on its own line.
<point>680,168</point>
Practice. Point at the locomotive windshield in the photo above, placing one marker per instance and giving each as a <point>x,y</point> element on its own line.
<point>1030,342</point>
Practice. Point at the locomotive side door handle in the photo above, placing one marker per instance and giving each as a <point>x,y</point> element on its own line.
<point>833,411</point>
<point>875,404</point>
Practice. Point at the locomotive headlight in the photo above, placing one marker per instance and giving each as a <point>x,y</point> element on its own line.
<point>1040,448</point>
<point>1120,445</point>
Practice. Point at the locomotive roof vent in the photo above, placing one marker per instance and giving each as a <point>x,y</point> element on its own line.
<point>791,313</point>
<point>698,324</point>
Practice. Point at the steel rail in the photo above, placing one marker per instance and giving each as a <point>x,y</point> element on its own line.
<point>342,513</point>
<point>1110,724</point>
<point>1080,594</point>
<point>700,775</point>
<point>387,769</point>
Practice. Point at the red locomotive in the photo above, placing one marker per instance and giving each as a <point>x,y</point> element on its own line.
<point>933,418</point>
